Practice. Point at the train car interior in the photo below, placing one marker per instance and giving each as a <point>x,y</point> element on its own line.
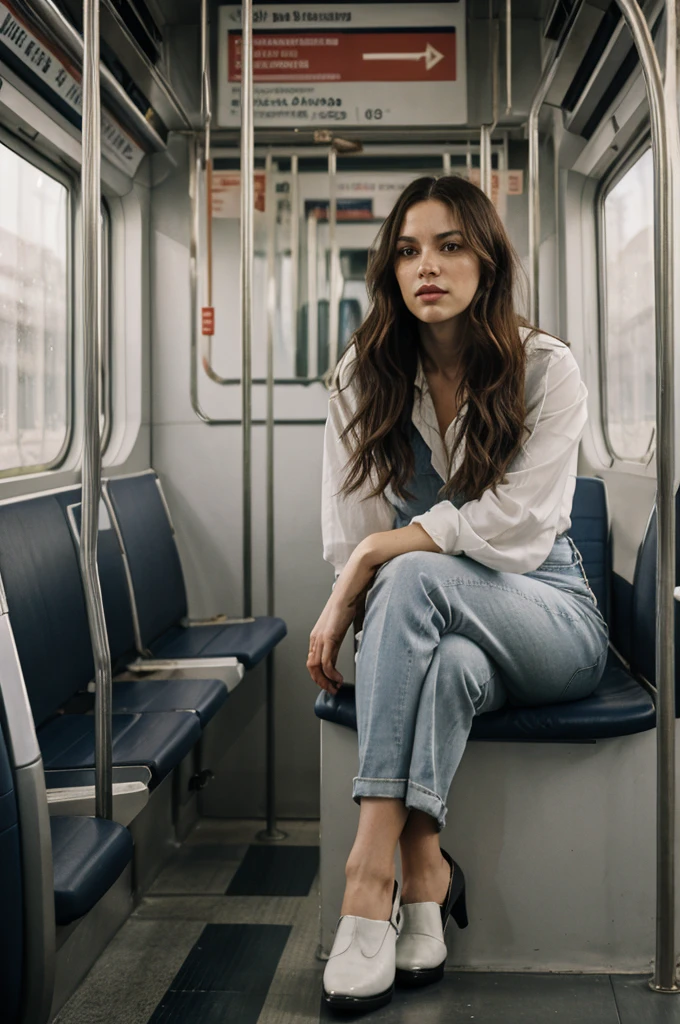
<point>190,194</point>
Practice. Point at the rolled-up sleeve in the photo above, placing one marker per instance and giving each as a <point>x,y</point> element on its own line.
<point>346,520</point>
<point>513,528</point>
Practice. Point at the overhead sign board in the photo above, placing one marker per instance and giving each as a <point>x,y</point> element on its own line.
<point>347,64</point>
<point>32,57</point>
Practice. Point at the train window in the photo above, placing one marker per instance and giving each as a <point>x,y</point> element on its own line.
<point>627,337</point>
<point>35,324</point>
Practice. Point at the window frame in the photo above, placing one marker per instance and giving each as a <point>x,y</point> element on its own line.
<point>619,169</point>
<point>59,174</point>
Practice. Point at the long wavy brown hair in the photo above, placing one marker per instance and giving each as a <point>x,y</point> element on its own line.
<point>386,347</point>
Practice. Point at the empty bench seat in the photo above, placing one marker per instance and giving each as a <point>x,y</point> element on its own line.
<point>89,855</point>
<point>40,573</point>
<point>158,592</point>
<point>619,706</point>
<point>205,697</point>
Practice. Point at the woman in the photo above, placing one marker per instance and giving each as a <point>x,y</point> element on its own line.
<point>453,420</point>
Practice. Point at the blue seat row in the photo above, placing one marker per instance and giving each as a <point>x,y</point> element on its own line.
<point>618,707</point>
<point>156,723</point>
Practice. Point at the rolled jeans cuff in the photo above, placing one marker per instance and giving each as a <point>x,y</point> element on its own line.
<point>414,795</point>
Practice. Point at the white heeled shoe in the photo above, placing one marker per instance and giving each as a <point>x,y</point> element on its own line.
<point>360,971</point>
<point>421,949</point>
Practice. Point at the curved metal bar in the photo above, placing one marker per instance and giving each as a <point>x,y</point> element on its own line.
<point>194,176</point>
<point>664,979</point>
<point>546,79</point>
<point>247,252</point>
<point>66,35</point>
<point>91,210</point>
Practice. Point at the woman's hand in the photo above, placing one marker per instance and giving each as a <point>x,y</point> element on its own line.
<point>343,606</point>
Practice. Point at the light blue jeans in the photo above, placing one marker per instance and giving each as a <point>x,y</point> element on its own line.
<point>445,639</point>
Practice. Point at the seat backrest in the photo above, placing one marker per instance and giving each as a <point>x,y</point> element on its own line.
<point>11,893</point>
<point>590,533</point>
<point>115,591</point>
<point>643,647</point>
<point>151,551</point>
<point>39,570</point>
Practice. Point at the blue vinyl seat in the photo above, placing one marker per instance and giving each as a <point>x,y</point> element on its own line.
<point>203,696</point>
<point>159,593</point>
<point>619,706</point>
<point>643,647</point>
<point>40,574</point>
<point>89,855</point>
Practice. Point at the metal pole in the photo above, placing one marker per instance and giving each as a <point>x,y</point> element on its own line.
<point>247,245</point>
<point>664,979</point>
<point>294,250</point>
<point>549,71</point>
<point>508,56</point>
<point>271,832</point>
<point>485,159</point>
<point>334,304</point>
<point>91,252</point>
<point>446,163</point>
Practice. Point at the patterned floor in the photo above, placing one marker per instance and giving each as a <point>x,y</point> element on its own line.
<point>228,935</point>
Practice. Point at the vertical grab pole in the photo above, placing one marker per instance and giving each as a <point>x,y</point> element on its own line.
<point>485,159</point>
<point>294,250</point>
<point>664,979</point>
<point>334,304</point>
<point>508,57</point>
<point>271,833</point>
<point>247,245</point>
<point>91,250</point>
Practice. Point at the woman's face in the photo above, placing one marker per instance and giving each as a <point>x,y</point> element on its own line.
<point>437,273</point>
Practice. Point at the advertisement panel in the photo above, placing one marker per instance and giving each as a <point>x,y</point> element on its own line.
<point>349,64</point>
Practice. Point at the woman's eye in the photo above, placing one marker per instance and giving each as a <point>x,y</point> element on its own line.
<point>451,247</point>
<point>406,251</point>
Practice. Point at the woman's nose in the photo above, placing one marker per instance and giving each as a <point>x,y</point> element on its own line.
<point>428,264</point>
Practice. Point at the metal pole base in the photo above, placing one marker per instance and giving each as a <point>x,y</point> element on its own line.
<point>271,835</point>
<point>656,987</point>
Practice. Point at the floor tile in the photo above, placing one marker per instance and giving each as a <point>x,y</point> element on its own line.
<point>209,1008</point>
<point>637,1004</point>
<point>502,999</point>
<point>204,868</point>
<point>233,958</point>
<point>132,975</point>
<point>276,871</point>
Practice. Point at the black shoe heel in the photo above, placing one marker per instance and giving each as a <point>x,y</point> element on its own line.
<point>454,904</point>
<point>459,910</point>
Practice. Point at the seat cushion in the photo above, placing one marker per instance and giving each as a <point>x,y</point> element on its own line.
<point>250,642</point>
<point>152,553</point>
<point>589,531</point>
<point>159,741</point>
<point>204,696</point>
<point>618,707</point>
<point>88,854</point>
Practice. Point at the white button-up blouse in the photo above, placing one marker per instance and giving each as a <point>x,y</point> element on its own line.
<point>511,529</point>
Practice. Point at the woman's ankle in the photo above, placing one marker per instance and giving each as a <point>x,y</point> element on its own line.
<point>425,883</point>
<point>368,897</point>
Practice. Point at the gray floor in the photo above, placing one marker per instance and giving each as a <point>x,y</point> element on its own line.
<point>128,982</point>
